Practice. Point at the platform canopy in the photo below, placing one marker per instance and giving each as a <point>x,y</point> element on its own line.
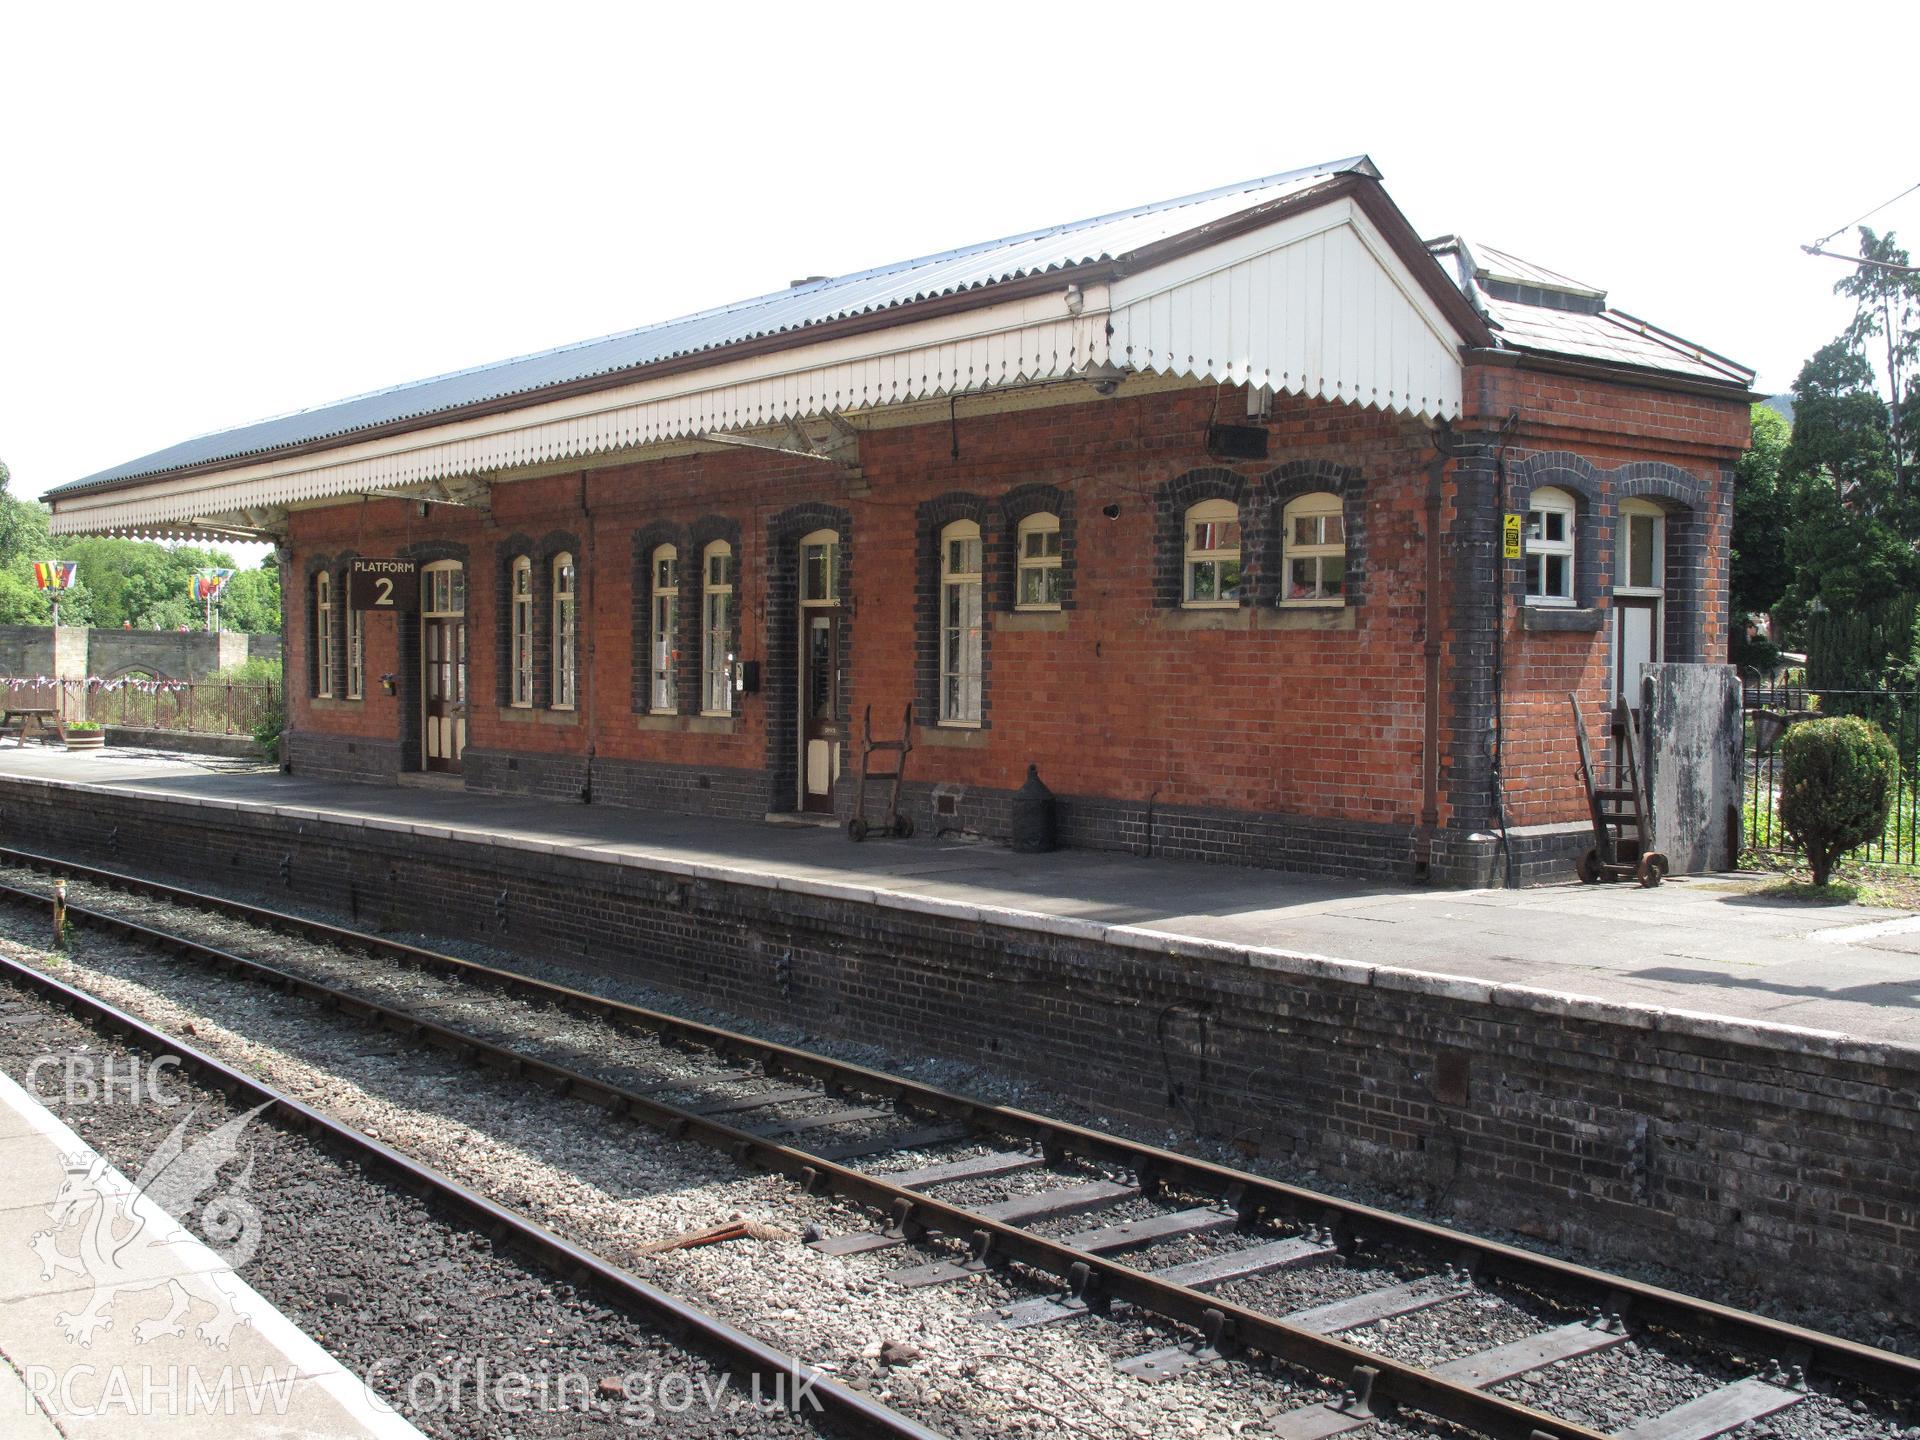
<point>1309,282</point>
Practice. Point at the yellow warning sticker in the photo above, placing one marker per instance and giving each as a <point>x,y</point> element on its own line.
<point>1511,525</point>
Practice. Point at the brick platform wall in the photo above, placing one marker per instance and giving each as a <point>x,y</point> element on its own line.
<point>1784,1164</point>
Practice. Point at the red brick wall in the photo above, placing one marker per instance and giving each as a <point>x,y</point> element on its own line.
<point>1124,701</point>
<point>1613,427</point>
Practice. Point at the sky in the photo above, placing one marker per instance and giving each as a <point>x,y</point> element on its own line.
<point>216,213</point>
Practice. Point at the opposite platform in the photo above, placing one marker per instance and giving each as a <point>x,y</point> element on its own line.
<point>151,1334</point>
<point>1701,947</point>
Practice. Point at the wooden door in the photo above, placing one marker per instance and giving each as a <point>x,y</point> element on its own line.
<point>820,725</point>
<point>1636,642</point>
<point>443,663</point>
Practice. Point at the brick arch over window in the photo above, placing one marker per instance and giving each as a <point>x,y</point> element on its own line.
<point>693,586</point>
<point>1592,521</point>
<point>1171,503</point>
<point>424,553</point>
<point>1289,482</point>
<point>646,540</point>
<point>1002,556</point>
<point>504,554</point>
<point>778,684</point>
<point>932,517</point>
<point>1682,499</point>
<point>552,545</point>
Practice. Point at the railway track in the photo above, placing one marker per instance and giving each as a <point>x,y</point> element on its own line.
<point>1090,1214</point>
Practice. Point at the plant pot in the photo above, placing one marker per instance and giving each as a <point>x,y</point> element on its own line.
<point>88,740</point>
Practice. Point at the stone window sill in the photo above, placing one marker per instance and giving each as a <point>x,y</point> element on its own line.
<point>1307,617</point>
<point>1560,619</point>
<point>688,724</point>
<point>321,704</point>
<point>1018,621</point>
<point>523,715</point>
<point>950,737</point>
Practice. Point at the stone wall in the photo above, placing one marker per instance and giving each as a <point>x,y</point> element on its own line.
<point>1779,1158</point>
<point>74,653</point>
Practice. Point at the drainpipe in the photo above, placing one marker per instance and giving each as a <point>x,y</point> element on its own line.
<point>1430,756</point>
<point>583,631</point>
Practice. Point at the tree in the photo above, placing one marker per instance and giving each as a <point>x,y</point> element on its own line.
<point>251,601</point>
<point>1846,478</point>
<point>1886,323</point>
<point>1762,508</point>
<point>1836,787</point>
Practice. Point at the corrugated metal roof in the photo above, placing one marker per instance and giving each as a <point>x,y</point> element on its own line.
<point>1499,265</point>
<point>1105,237</point>
<point>1603,334</point>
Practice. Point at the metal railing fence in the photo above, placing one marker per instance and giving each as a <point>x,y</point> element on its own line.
<point>204,707</point>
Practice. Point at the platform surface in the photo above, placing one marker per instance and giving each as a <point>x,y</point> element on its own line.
<point>1703,945</point>
<point>131,1379</point>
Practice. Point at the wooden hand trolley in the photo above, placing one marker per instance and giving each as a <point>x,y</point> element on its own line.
<point>896,823</point>
<point>1620,812</point>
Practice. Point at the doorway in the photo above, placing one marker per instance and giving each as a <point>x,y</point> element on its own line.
<point>1639,596</point>
<point>443,662</point>
<point>821,724</point>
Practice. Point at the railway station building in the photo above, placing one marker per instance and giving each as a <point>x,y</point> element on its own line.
<point>1262,529</point>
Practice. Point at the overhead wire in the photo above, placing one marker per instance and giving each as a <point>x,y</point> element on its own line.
<point>1868,216</point>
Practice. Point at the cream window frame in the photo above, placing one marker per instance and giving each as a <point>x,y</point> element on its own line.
<point>716,629</point>
<point>323,676</point>
<point>962,644</point>
<point>356,647</point>
<point>663,628</point>
<point>564,660</point>
<point>1046,565</point>
<point>520,632</point>
<point>1626,550</point>
<point>1543,504</point>
<point>1319,507</point>
<point>1198,551</point>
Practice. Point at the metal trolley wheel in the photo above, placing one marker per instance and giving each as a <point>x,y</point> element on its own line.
<point>903,826</point>
<point>856,828</point>
<point>1589,869</point>
<point>1651,870</point>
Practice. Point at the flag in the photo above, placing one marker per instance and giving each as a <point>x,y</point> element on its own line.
<point>207,584</point>
<point>55,574</point>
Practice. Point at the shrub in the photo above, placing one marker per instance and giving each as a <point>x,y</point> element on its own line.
<point>1836,787</point>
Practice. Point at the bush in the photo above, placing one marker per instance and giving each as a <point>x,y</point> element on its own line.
<point>1836,787</point>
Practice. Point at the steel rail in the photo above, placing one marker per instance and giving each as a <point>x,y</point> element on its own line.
<point>1099,1279</point>
<point>1155,1166</point>
<point>861,1413</point>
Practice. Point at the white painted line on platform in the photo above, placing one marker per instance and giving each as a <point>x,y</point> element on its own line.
<point>1865,934</point>
<point>312,1364</point>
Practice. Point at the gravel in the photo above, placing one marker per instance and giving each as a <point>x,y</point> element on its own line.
<point>554,1161</point>
<point>965,1383</point>
<point>420,1308</point>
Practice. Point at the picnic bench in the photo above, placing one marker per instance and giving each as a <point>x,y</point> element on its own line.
<point>20,720</point>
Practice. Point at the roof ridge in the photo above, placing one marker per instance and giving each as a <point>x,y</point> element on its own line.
<point>1356,164</point>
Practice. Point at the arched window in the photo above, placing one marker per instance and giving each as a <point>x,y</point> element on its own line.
<point>1212,554</point>
<point>1643,535</point>
<point>521,619</point>
<point>662,644</point>
<point>716,626</point>
<point>356,647</point>
<point>960,623</point>
<point>323,635</point>
<point>564,630</point>
<point>1550,519</point>
<point>1037,562</point>
<point>1313,534</point>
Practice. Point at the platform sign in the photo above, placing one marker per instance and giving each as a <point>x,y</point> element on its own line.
<point>383,584</point>
<point>1510,527</point>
